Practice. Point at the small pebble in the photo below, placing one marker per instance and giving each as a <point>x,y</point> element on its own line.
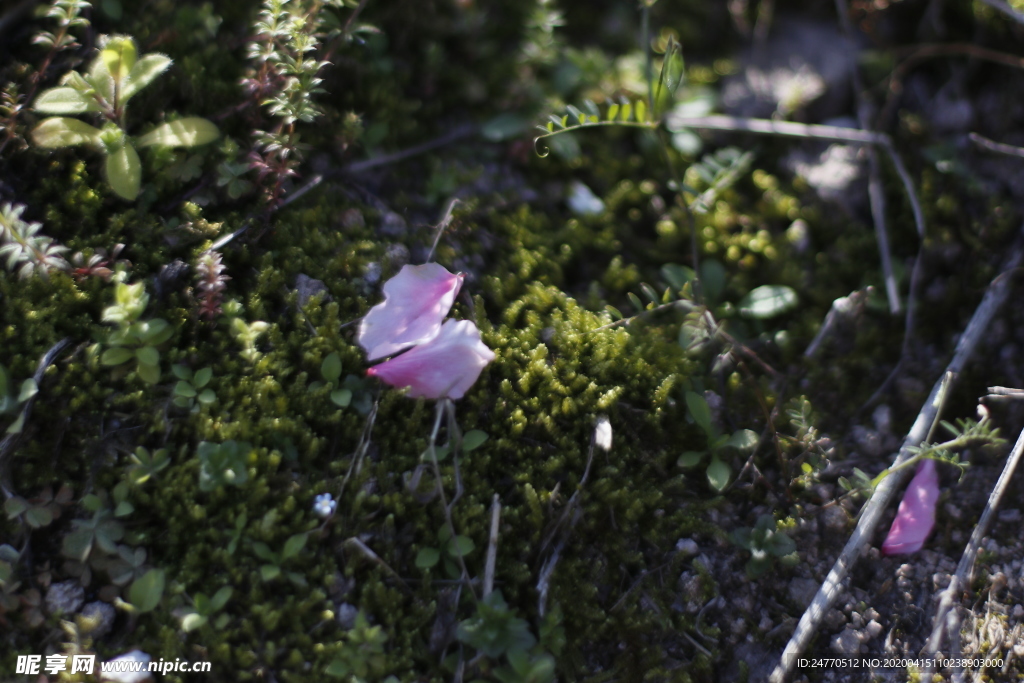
<point>1011,515</point>
<point>687,546</point>
<point>65,597</point>
<point>846,643</point>
<point>873,629</point>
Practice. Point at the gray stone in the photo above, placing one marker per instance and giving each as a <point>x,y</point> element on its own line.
<point>392,224</point>
<point>308,287</point>
<point>846,643</point>
<point>65,597</point>
<point>687,546</point>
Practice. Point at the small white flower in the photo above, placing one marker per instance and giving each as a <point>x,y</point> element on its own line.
<point>603,433</point>
<point>323,505</point>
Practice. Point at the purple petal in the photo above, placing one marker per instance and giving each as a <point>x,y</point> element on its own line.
<point>916,516</point>
<point>415,302</point>
<point>446,366</point>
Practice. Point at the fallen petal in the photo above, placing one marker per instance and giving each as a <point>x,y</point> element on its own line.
<point>445,367</point>
<point>415,302</point>
<point>916,516</point>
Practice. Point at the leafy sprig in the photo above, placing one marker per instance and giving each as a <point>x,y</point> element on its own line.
<point>26,250</point>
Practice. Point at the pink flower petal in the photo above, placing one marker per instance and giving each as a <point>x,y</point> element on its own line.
<point>415,302</point>
<point>916,516</point>
<point>446,366</point>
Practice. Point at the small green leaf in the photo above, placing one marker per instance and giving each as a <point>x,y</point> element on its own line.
<point>712,279</point>
<point>190,622</point>
<point>269,572</point>
<point>700,411</point>
<point>627,111</point>
<point>613,111</point>
<point>635,300</point>
<point>15,506</point>
<point>37,517</point>
<point>149,373</point>
<point>123,509</point>
<point>718,474</point>
<point>768,301</point>
<point>473,439</point>
<point>58,131</point>
<point>202,378</point>
<point>187,132</point>
<point>427,558</point>
<point>206,397</point>
<point>615,313</point>
<point>143,73</point>
<point>119,56</point>
<point>690,458</point>
<point>124,172</point>
<point>505,126</point>
<point>220,598</point>
<point>28,390</point>
<point>294,545</point>
<point>147,355</point>
<point>641,111</point>
<point>184,389</point>
<point>116,356</point>
<point>331,367</point>
<point>16,426</point>
<point>460,545</point>
<point>181,372</point>
<point>77,545</point>
<point>64,101</point>
<point>341,397</point>
<point>744,440</point>
<point>147,590</point>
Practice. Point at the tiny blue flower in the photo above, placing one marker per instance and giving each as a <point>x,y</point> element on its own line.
<point>324,505</point>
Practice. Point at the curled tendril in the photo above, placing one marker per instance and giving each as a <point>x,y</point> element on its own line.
<point>546,150</point>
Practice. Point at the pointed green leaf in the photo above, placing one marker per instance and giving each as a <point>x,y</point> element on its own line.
<point>187,132</point>
<point>550,127</point>
<point>635,300</point>
<point>718,474</point>
<point>700,411</point>
<point>641,111</point>
<point>341,397</point>
<point>184,389</point>
<point>473,439</point>
<point>331,367</point>
<point>143,73</point>
<point>58,131</point>
<point>613,111</point>
<point>116,356</point>
<point>294,545</point>
<point>220,598</point>
<point>712,279</point>
<point>100,79</point>
<point>147,590</point>
<point>64,101</point>
<point>768,301</point>
<point>28,390</point>
<point>269,572</point>
<point>627,111</point>
<point>206,397</point>
<point>124,172</point>
<point>202,378</point>
<point>181,372</point>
